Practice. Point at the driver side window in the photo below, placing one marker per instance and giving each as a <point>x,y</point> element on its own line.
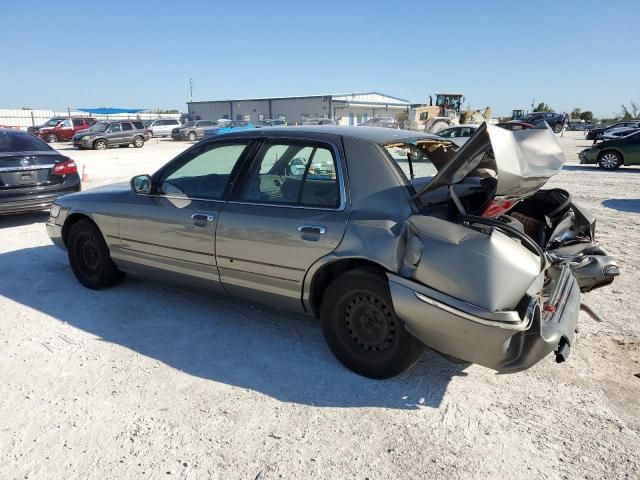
<point>205,175</point>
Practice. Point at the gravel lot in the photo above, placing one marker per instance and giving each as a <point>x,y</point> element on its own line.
<point>142,381</point>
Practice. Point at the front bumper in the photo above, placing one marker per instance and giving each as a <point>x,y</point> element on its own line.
<point>506,341</point>
<point>54,228</point>
<point>588,157</point>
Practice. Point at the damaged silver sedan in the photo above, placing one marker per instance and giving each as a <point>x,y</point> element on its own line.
<point>395,240</point>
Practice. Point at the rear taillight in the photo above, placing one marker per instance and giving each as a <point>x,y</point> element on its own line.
<point>65,168</point>
<point>497,207</point>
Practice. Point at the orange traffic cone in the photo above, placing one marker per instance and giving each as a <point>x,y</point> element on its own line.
<point>85,175</point>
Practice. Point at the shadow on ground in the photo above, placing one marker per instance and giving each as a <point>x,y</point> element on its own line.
<point>631,205</point>
<point>596,169</point>
<point>218,338</point>
<point>22,219</point>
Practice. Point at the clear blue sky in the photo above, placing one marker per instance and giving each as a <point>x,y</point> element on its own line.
<point>141,54</point>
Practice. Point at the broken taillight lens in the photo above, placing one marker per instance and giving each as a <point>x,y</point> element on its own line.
<point>65,168</point>
<point>499,206</point>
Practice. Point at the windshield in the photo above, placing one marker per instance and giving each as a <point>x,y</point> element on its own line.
<point>99,127</point>
<point>427,156</point>
<point>53,122</point>
<point>190,123</point>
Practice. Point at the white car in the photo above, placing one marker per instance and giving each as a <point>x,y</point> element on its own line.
<point>162,127</point>
<point>458,134</point>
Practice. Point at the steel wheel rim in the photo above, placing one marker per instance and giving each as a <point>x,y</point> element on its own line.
<point>88,256</point>
<point>370,322</point>
<point>609,160</point>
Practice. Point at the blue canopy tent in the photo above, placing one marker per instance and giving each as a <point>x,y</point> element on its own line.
<point>111,111</point>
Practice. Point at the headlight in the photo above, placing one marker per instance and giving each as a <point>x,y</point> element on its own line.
<point>55,210</point>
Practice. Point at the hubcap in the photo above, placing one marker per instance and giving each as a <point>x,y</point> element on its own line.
<point>609,160</point>
<point>370,322</point>
<point>101,145</point>
<point>138,142</point>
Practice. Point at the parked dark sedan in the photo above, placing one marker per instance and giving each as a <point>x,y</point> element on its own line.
<point>395,239</point>
<point>597,132</point>
<point>32,174</point>
<point>615,153</point>
<point>554,120</point>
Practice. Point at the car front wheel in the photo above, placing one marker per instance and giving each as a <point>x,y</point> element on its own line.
<point>557,128</point>
<point>609,160</point>
<point>138,142</point>
<point>52,138</point>
<point>192,136</point>
<point>100,145</point>
<point>89,257</point>
<point>362,329</point>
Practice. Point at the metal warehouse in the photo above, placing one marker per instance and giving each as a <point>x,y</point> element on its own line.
<point>345,109</point>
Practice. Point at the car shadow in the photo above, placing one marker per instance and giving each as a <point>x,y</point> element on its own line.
<point>22,219</point>
<point>218,338</point>
<point>596,168</point>
<point>631,205</point>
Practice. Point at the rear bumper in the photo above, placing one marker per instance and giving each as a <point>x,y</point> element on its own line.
<point>504,341</point>
<point>32,203</point>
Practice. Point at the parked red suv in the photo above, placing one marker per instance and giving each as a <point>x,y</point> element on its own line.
<point>66,129</point>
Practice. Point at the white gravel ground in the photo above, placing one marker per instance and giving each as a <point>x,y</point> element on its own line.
<point>142,381</point>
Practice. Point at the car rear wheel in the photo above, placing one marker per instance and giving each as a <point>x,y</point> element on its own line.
<point>89,257</point>
<point>138,142</point>
<point>52,138</point>
<point>362,329</point>
<point>192,136</point>
<point>609,160</point>
<point>100,145</point>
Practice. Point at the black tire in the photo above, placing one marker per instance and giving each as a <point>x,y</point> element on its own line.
<point>610,160</point>
<point>192,136</point>
<point>138,141</point>
<point>557,128</point>
<point>100,145</point>
<point>362,329</point>
<point>89,257</point>
<point>52,138</point>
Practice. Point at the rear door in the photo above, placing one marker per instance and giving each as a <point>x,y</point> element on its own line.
<point>173,229</point>
<point>632,149</point>
<point>289,211</point>
<point>65,129</point>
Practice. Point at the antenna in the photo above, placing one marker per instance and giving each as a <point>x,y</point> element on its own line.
<point>191,90</point>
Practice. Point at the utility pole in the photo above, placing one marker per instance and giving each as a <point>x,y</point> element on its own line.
<point>191,90</point>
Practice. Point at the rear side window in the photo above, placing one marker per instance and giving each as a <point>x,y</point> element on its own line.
<point>21,142</point>
<point>78,122</point>
<point>138,125</point>
<point>127,126</point>
<point>294,174</point>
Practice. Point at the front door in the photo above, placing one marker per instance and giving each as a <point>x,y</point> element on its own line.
<point>114,134</point>
<point>173,228</point>
<point>632,150</point>
<point>289,211</point>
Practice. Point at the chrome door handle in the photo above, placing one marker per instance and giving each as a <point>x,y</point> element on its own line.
<point>203,217</point>
<point>316,229</point>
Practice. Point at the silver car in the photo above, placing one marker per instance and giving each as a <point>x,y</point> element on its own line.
<point>458,134</point>
<point>394,239</point>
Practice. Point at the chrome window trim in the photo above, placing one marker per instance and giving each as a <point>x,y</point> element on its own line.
<point>176,197</point>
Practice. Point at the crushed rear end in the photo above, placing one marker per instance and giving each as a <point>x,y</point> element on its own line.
<point>494,265</point>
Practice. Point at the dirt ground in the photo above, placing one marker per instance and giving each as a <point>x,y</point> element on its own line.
<point>143,381</point>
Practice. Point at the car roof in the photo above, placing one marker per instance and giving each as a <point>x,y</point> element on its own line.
<point>376,135</point>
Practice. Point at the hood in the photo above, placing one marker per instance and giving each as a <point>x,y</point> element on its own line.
<point>521,161</point>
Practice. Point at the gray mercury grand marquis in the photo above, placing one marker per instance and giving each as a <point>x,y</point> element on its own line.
<point>394,239</point>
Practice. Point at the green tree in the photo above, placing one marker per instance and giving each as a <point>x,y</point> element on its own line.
<point>576,113</point>
<point>587,116</point>
<point>543,107</point>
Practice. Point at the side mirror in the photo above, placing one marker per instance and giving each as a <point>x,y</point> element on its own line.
<point>141,184</point>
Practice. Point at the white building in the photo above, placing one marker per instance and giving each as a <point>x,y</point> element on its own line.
<point>345,109</point>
